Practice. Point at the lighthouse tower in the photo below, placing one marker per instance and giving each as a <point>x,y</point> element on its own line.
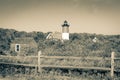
<point>65,31</point>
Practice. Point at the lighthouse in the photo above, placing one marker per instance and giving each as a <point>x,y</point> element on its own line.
<point>65,30</point>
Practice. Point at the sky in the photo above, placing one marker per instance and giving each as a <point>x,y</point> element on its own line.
<point>83,16</point>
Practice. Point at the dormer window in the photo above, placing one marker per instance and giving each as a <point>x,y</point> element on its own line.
<point>17,47</point>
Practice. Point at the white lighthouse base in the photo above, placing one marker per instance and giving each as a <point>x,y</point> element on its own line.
<point>65,36</point>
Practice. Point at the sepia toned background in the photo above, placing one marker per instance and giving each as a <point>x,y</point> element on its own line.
<point>90,16</point>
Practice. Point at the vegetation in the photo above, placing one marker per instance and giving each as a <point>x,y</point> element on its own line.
<point>80,44</point>
<point>51,74</point>
<point>8,35</point>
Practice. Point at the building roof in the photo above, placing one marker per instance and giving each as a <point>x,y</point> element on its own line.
<point>55,35</point>
<point>65,24</point>
<point>25,40</point>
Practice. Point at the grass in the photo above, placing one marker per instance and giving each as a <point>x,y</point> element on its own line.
<point>54,74</point>
<point>51,77</point>
<point>57,74</point>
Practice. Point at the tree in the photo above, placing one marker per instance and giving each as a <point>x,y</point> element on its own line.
<point>39,36</point>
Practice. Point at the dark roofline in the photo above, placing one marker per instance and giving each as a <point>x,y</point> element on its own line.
<point>23,40</point>
<point>65,24</point>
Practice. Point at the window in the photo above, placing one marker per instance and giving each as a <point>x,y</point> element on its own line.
<point>17,47</point>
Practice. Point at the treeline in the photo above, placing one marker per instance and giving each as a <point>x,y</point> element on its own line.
<point>80,44</point>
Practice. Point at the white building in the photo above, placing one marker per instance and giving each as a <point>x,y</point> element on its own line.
<point>65,31</point>
<point>64,35</point>
<point>95,40</point>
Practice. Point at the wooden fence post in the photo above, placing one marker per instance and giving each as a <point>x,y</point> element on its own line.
<point>112,65</point>
<point>39,68</point>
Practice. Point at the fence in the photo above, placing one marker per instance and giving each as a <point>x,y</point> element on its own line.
<point>38,62</point>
